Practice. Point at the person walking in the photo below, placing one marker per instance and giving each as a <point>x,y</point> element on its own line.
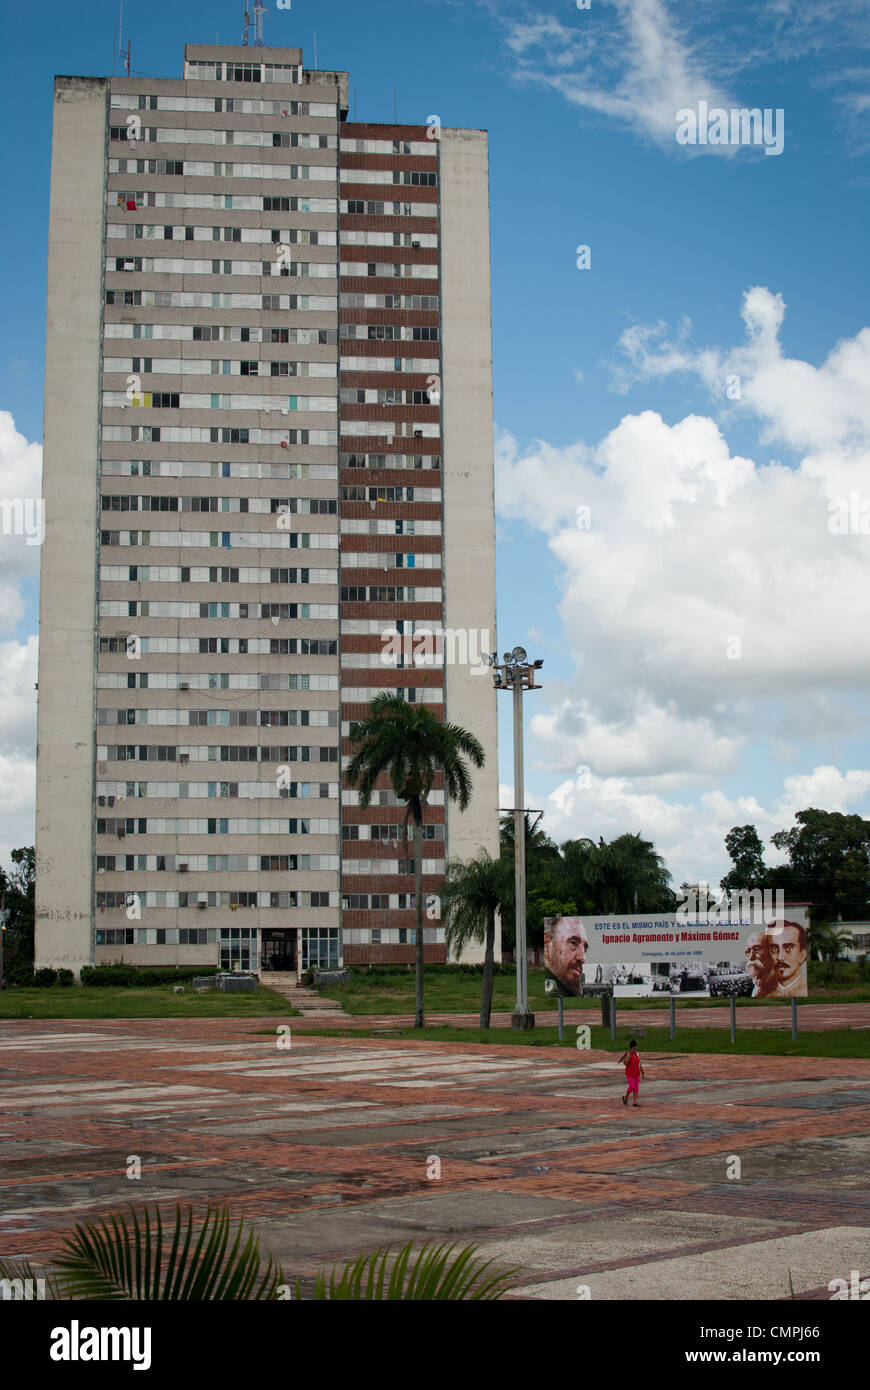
<point>633,1072</point>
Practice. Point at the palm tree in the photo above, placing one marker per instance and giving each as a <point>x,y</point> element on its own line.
<point>473,894</point>
<point>624,876</point>
<point>826,941</point>
<point>411,746</point>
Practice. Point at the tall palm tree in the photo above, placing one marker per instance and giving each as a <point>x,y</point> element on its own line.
<point>411,746</point>
<point>473,894</point>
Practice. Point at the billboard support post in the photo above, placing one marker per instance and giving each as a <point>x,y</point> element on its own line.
<point>733,1019</point>
<point>673,1004</point>
<point>613,1018</point>
<point>561,1020</point>
<point>794,1030</point>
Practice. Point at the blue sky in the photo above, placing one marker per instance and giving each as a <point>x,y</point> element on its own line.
<point>710,516</point>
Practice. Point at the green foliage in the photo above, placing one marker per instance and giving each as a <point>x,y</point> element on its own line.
<point>746,852</point>
<point>132,976</point>
<point>118,976</point>
<point>127,1259</point>
<point>132,1258</point>
<point>65,978</point>
<point>833,972</point>
<point>45,978</point>
<point>19,972</point>
<point>432,1277</point>
<point>19,886</point>
<point>829,863</point>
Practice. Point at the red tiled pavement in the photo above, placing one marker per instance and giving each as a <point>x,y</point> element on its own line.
<point>328,1147</point>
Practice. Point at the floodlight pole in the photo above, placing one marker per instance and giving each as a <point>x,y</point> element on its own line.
<point>519,675</point>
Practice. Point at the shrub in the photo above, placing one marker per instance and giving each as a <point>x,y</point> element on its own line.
<point>45,978</point>
<point>65,977</point>
<point>20,972</point>
<point>148,976</point>
<point>119,976</point>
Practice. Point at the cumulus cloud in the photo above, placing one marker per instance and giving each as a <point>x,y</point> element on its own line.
<point>17,745</point>
<point>709,598</point>
<point>802,406</point>
<point>20,491</point>
<point>690,833</point>
<point>21,518</point>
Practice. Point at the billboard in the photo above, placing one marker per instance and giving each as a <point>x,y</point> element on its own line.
<point>692,955</point>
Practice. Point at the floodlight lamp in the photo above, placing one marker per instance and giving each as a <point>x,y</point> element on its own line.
<point>537,664</point>
<point>507,659</point>
<point>519,653</point>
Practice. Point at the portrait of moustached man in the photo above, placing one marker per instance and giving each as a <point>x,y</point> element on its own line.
<point>565,947</point>
<point>759,965</point>
<point>788,951</point>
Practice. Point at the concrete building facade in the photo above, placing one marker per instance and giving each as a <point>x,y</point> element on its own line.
<point>284,350</point>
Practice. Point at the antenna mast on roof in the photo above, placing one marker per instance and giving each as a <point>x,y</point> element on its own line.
<point>259,11</point>
<point>247,22</point>
<point>125,57</point>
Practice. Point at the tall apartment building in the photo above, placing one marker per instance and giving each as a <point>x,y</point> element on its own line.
<point>268,398</point>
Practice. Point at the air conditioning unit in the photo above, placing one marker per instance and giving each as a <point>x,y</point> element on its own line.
<point>101,801</point>
<point>110,800</point>
<point>182,868</point>
<point>184,685</point>
<point>184,759</point>
<point>415,245</point>
<point>121,834</point>
<point>201,905</point>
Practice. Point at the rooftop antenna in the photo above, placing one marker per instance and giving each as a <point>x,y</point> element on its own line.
<point>259,11</point>
<point>128,56</point>
<point>315,50</point>
<point>247,24</point>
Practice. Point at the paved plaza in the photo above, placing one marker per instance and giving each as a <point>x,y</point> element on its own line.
<point>329,1146</point>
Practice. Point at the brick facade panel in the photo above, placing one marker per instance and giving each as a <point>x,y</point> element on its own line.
<point>387,954</point>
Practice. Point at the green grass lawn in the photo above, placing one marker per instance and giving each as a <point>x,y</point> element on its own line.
<point>775,1042</point>
<point>157,1001</point>
<point>394,994</point>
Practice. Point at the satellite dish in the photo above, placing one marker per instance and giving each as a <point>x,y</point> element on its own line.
<point>519,654</point>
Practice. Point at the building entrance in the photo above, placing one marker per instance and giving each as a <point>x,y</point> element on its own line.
<point>279,950</point>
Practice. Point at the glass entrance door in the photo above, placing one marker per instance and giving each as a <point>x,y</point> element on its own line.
<point>279,950</point>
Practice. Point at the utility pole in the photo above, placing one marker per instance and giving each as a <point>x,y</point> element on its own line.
<point>517,673</point>
<point>3,920</point>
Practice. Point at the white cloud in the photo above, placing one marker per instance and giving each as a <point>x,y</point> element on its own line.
<point>706,601</point>
<point>690,835</point>
<point>17,745</point>
<point>635,66</point>
<point>803,406</point>
<point>639,62</point>
<point>20,482</point>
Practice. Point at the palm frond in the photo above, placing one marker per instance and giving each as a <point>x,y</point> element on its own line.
<point>434,1275</point>
<point>124,1259</point>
